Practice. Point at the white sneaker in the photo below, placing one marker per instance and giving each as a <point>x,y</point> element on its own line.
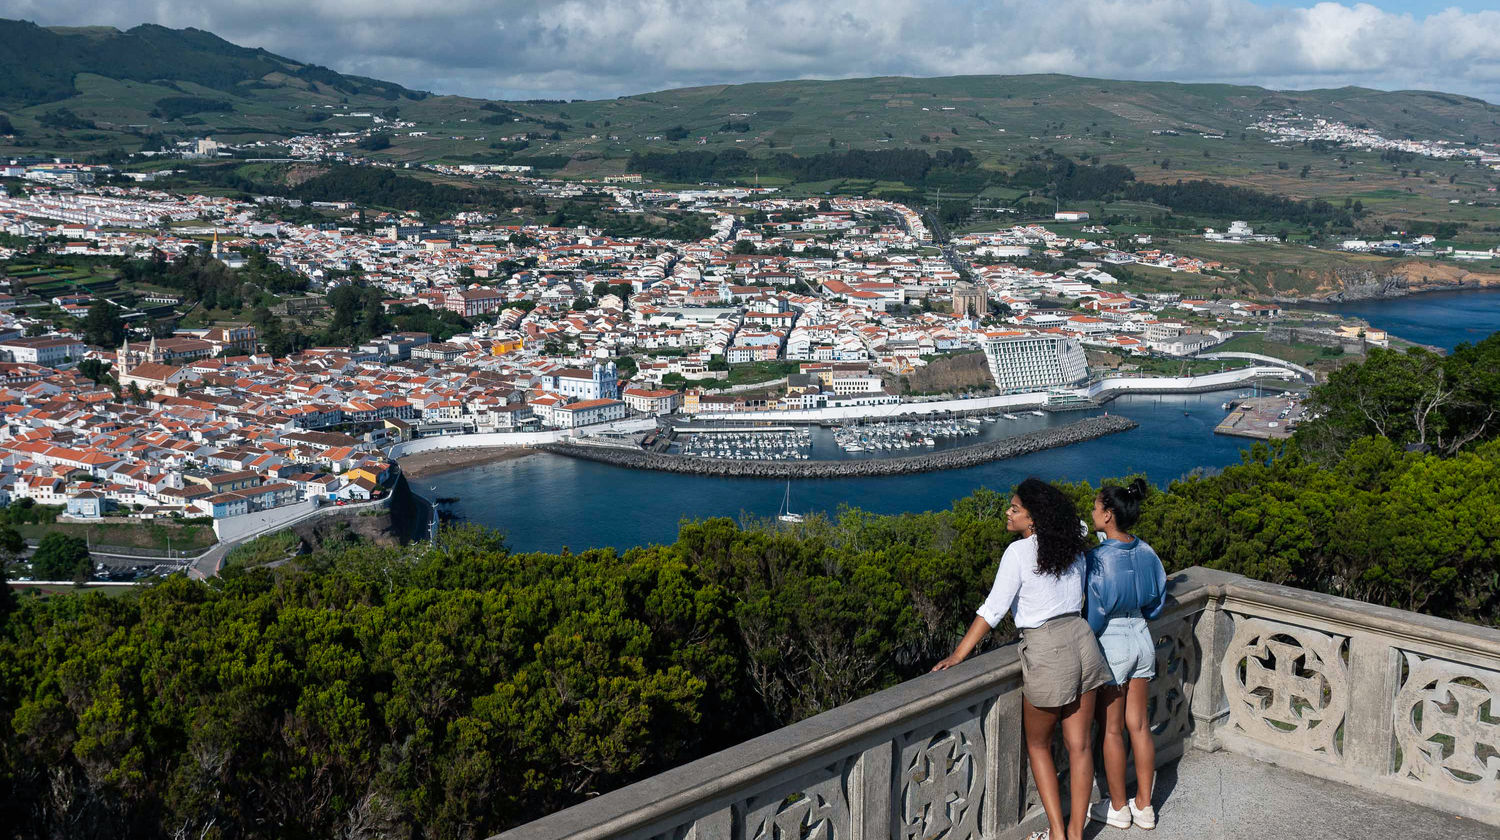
<point>1103,811</point>
<point>1144,817</point>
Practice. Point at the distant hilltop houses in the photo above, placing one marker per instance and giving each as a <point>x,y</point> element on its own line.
<point>1291,127</point>
<point>1237,232</point>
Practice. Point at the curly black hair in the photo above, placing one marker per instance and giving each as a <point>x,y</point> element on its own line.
<point>1059,536</point>
<point>1125,501</point>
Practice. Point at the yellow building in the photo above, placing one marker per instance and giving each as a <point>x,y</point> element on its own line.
<point>363,472</point>
<point>509,345</point>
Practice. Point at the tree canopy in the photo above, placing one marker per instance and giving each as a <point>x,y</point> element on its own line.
<point>59,556</point>
<point>1414,398</point>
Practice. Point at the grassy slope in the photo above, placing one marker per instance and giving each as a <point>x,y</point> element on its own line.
<point>1002,119</point>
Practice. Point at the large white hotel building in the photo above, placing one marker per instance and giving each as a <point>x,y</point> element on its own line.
<point>1022,361</point>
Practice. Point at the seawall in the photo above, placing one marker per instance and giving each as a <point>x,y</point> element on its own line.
<point>958,458</point>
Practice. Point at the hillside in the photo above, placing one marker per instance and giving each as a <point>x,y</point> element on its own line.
<point>99,92</point>
<point>38,65</point>
<point>96,88</point>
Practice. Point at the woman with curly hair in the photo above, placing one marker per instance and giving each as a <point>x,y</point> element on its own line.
<point>1040,580</point>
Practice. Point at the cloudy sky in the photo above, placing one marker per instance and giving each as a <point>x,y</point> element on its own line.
<point>519,49</point>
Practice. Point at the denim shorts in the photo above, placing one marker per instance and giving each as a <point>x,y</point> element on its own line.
<point>1128,648</point>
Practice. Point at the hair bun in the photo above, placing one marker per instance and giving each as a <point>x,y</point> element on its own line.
<point>1138,488</point>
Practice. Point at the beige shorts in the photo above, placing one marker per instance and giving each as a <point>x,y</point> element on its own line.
<point>1060,660</point>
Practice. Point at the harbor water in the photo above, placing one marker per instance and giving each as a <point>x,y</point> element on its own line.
<point>545,502</point>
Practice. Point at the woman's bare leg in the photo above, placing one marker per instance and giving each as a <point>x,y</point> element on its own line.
<point>1077,723</point>
<point>1039,725</point>
<point>1110,712</point>
<point>1138,721</point>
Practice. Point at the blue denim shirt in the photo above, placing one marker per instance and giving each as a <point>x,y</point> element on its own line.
<point>1123,577</point>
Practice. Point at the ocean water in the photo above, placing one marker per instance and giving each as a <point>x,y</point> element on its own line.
<point>546,502</point>
<point>1437,319</point>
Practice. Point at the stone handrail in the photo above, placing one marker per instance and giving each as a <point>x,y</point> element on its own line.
<point>1377,698</point>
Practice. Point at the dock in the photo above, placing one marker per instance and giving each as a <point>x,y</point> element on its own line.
<point>1263,418</point>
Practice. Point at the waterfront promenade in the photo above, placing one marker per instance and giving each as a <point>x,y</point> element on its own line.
<point>1099,392</point>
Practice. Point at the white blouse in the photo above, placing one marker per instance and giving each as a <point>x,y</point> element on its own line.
<point>1033,596</point>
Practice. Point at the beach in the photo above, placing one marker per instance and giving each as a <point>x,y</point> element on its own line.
<point>426,464</point>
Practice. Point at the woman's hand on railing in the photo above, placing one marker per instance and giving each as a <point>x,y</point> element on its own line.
<point>978,629</point>
<point>948,662</point>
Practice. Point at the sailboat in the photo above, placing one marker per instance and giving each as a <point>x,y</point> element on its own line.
<point>786,514</point>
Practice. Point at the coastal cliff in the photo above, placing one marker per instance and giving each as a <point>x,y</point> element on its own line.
<point>1348,284</point>
<point>967,456</point>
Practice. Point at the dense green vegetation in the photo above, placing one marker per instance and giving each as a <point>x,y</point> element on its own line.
<point>1416,398</point>
<point>59,556</point>
<point>366,186</point>
<point>455,689</point>
<point>205,280</point>
<point>373,187</point>
<point>666,225</point>
<point>908,165</point>
<point>1205,198</point>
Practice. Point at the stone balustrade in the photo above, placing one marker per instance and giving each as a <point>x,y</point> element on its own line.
<point>1394,702</point>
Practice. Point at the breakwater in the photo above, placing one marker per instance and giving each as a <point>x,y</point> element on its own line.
<point>967,456</point>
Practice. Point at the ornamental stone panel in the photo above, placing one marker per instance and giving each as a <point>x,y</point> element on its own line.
<point>940,780</point>
<point>1287,685</point>
<point>1447,727</point>
<point>815,807</point>
<point>1178,662</point>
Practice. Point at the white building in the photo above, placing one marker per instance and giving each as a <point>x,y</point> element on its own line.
<point>600,383</point>
<point>587,413</point>
<point>646,401</point>
<point>1032,362</point>
<point>856,383</point>
<point>47,350</point>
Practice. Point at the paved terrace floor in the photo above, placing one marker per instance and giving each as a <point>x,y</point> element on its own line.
<point>1223,796</point>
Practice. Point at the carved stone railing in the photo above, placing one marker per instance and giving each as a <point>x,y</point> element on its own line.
<point>1402,704</point>
<point>1381,699</point>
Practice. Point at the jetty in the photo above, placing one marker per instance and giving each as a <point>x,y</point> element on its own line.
<point>966,456</point>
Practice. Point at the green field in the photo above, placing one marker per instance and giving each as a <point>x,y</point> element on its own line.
<point>1165,366</point>
<point>1301,354</point>
<point>145,535</point>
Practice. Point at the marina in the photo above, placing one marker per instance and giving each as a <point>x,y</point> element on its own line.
<point>958,457</point>
<point>747,444</point>
<point>895,436</point>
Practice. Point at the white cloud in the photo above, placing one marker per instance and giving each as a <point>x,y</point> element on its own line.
<point>600,48</point>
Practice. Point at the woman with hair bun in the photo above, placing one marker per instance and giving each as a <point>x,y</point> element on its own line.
<point>1040,580</point>
<point>1126,586</point>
